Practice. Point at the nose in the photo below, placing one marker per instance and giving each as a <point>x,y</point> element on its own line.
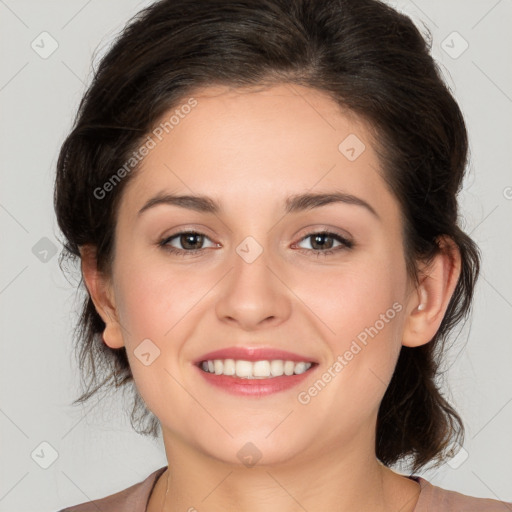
<point>254,293</point>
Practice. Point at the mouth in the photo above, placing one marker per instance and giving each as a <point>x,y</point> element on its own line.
<point>262,369</point>
<point>254,371</point>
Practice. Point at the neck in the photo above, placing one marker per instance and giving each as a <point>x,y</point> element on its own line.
<point>338,481</point>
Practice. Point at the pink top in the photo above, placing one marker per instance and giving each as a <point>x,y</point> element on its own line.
<point>432,499</point>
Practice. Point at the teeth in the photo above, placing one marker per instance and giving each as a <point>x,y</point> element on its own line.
<point>254,369</point>
<point>228,367</point>
<point>217,366</point>
<point>289,367</point>
<point>260,368</point>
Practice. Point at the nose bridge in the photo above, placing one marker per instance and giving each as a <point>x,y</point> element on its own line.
<point>252,261</point>
<point>252,293</point>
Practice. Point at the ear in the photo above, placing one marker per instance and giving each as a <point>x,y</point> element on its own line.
<point>429,301</point>
<point>101,292</point>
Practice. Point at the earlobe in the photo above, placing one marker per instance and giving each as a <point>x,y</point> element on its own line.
<point>427,307</point>
<point>101,293</point>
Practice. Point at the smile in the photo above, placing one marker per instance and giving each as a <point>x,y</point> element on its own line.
<point>264,369</point>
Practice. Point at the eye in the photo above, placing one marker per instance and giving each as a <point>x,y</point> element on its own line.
<point>322,243</point>
<point>190,241</point>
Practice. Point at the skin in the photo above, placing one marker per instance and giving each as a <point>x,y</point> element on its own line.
<point>249,150</point>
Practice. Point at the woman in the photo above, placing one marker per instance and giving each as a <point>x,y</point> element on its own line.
<point>263,198</point>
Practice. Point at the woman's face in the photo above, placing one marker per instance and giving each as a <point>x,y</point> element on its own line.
<point>261,278</point>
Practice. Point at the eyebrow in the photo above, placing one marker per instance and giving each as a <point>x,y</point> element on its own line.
<point>293,204</point>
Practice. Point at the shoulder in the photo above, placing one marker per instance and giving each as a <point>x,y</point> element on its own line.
<point>437,499</point>
<point>132,499</point>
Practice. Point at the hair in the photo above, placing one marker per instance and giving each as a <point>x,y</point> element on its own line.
<point>372,61</point>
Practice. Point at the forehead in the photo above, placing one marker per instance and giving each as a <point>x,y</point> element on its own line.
<point>254,143</point>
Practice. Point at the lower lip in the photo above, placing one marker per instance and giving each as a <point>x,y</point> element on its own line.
<point>255,387</point>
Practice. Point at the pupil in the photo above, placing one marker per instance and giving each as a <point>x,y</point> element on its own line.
<point>189,237</point>
<point>317,237</point>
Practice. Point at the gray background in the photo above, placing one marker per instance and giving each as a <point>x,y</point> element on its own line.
<point>98,453</point>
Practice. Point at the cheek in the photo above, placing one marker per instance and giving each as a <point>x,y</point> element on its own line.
<point>353,301</point>
<point>361,315</point>
<point>153,299</point>
<point>158,309</point>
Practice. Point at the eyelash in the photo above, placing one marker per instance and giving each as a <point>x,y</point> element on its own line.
<point>345,244</point>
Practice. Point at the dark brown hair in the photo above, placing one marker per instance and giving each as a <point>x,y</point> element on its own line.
<point>371,60</point>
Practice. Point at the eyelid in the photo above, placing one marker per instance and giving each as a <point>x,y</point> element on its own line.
<point>310,230</point>
<point>164,240</point>
<point>345,242</point>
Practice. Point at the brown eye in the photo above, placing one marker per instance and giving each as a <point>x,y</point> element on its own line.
<point>190,242</point>
<point>323,243</point>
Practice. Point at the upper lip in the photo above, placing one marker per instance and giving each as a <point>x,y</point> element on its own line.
<point>253,354</point>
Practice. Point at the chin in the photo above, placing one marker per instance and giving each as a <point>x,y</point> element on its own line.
<point>256,449</point>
